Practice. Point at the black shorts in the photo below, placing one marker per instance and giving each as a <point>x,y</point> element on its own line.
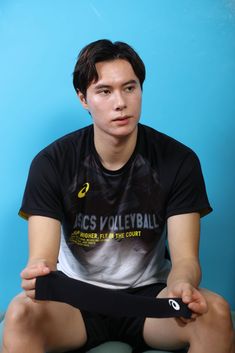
<point>102,328</point>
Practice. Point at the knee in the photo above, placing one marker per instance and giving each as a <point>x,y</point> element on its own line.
<point>22,313</point>
<point>219,313</point>
<point>22,321</point>
<point>220,307</point>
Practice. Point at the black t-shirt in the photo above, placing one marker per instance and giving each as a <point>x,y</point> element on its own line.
<point>113,221</point>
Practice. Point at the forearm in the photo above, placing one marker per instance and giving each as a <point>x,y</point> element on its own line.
<point>185,270</point>
<point>183,239</point>
<point>44,241</point>
<point>184,278</point>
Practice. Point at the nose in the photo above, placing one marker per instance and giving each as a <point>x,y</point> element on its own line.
<point>119,101</point>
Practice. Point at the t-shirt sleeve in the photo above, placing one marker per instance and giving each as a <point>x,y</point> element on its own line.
<point>42,195</point>
<point>188,192</point>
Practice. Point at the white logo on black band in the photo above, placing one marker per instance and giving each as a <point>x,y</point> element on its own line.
<point>174,304</point>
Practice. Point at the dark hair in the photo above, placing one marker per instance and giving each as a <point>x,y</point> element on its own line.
<point>103,50</point>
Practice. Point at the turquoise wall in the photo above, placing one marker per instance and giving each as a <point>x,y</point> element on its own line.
<point>189,50</point>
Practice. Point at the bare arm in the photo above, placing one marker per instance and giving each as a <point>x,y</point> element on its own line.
<point>44,242</point>
<point>183,238</point>
<point>185,276</point>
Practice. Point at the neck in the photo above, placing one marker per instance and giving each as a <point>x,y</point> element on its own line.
<point>113,151</point>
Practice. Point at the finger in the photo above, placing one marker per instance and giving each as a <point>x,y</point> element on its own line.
<point>186,321</point>
<point>199,303</point>
<point>32,272</point>
<point>187,295</point>
<point>198,307</point>
<point>30,294</point>
<point>171,295</point>
<point>28,284</point>
<point>181,321</point>
<point>193,316</point>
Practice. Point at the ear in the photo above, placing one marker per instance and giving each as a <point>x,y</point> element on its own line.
<point>82,99</point>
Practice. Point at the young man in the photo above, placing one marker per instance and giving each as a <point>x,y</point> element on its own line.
<point>114,186</point>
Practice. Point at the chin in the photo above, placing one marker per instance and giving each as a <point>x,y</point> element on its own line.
<point>124,131</point>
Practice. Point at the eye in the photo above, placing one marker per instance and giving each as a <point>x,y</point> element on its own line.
<point>104,92</point>
<point>129,89</point>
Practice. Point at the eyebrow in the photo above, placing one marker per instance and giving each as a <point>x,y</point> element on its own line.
<point>102,86</point>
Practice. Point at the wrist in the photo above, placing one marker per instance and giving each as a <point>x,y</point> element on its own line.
<point>41,262</point>
<point>178,276</point>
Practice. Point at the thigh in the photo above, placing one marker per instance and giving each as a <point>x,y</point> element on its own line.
<point>130,329</point>
<point>169,333</point>
<point>60,325</point>
<point>172,334</point>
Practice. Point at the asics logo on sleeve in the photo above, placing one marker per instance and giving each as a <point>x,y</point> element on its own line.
<point>84,190</point>
<point>174,304</point>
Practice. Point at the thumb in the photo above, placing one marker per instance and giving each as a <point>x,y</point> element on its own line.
<point>187,295</point>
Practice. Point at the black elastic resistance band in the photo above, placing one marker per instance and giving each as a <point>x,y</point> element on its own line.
<point>58,287</point>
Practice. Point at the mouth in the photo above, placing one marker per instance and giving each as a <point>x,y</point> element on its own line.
<point>122,118</point>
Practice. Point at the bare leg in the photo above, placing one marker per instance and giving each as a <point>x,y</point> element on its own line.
<point>210,333</point>
<point>41,327</point>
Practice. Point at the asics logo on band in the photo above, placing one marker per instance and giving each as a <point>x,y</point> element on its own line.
<point>174,304</point>
<point>84,190</point>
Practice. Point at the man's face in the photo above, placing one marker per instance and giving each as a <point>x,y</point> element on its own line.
<point>114,101</point>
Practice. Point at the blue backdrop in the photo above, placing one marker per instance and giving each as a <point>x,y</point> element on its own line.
<point>189,50</point>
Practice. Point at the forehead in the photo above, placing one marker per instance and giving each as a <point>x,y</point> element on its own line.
<point>114,72</point>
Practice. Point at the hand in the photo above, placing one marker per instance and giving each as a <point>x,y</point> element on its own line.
<point>29,274</point>
<point>191,296</point>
